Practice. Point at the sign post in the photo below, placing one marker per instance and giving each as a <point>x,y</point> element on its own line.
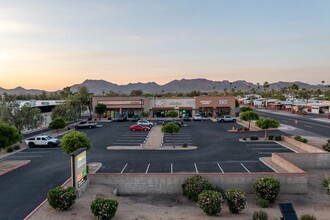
<point>79,170</point>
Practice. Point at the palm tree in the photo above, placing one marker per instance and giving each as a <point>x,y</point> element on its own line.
<point>266,87</point>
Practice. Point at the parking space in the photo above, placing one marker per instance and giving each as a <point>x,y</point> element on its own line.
<point>131,138</point>
<point>218,151</point>
<point>178,139</point>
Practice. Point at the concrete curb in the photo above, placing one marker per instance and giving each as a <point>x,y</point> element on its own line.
<point>146,149</point>
<point>14,168</point>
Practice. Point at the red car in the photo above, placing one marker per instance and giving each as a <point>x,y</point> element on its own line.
<point>139,128</point>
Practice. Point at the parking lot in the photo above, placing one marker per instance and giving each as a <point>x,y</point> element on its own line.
<point>218,150</point>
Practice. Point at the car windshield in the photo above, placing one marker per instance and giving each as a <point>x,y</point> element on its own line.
<point>48,137</point>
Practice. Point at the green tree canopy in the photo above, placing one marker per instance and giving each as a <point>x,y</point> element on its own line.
<point>245,109</point>
<point>249,116</point>
<point>57,123</point>
<point>9,135</point>
<point>65,111</point>
<point>144,114</point>
<point>266,123</point>
<point>75,140</point>
<point>170,128</point>
<point>21,116</point>
<point>100,109</point>
<point>172,114</point>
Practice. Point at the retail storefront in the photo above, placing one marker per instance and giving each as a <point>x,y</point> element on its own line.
<point>129,106</point>
<point>215,106</point>
<point>160,106</point>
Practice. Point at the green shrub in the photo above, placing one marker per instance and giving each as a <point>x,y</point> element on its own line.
<point>62,198</point>
<point>239,129</point>
<point>308,217</point>
<point>195,185</point>
<point>326,147</point>
<point>326,184</point>
<point>185,145</point>
<point>328,141</point>
<point>16,147</point>
<point>278,138</point>
<point>104,208</point>
<point>210,202</point>
<point>263,203</point>
<point>270,137</point>
<point>253,138</point>
<point>244,138</point>
<point>260,215</point>
<point>298,138</point>
<point>267,188</point>
<point>246,129</point>
<point>236,200</point>
<point>9,149</point>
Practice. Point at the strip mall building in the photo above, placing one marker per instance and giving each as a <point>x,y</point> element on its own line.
<point>207,106</point>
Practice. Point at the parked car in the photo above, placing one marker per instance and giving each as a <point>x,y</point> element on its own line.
<point>135,118</point>
<point>42,140</point>
<point>144,122</point>
<point>226,118</point>
<point>197,117</point>
<point>186,118</point>
<point>172,120</point>
<point>85,124</point>
<point>121,117</point>
<point>139,128</point>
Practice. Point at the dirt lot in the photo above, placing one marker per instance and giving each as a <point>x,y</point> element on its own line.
<point>173,207</point>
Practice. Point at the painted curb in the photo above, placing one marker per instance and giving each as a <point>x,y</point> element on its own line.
<point>14,168</point>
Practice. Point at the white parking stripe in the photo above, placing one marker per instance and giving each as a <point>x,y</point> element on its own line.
<point>35,152</point>
<point>171,167</point>
<point>196,168</point>
<point>28,156</point>
<point>220,168</point>
<point>124,168</point>
<point>148,168</point>
<point>245,168</point>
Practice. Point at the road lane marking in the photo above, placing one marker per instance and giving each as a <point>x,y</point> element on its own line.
<point>220,168</point>
<point>124,168</point>
<point>196,168</point>
<point>245,168</point>
<point>171,167</point>
<point>148,168</point>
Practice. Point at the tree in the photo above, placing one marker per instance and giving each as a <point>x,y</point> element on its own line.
<point>245,109</point>
<point>57,123</point>
<point>65,111</point>
<point>75,140</point>
<point>171,114</point>
<point>21,116</point>
<point>136,92</point>
<point>266,87</point>
<point>249,116</point>
<point>100,109</point>
<point>9,135</point>
<point>266,123</point>
<point>171,128</point>
<point>85,97</point>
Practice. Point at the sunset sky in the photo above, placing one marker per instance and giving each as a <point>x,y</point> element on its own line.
<point>52,44</point>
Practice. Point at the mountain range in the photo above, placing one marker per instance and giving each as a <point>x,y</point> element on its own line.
<point>183,85</point>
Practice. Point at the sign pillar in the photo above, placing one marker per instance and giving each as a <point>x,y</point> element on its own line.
<point>79,170</point>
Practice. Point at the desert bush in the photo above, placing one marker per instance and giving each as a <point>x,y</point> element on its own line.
<point>278,138</point>
<point>246,129</point>
<point>185,145</point>
<point>299,138</point>
<point>308,217</point>
<point>16,147</point>
<point>104,208</point>
<point>270,137</point>
<point>210,202</point>
<point>260,215</point>
<point>263,203</point>
<point>9,149</point>
<point>267,188</point>
<point>239,129</point>
<point>244,138</point>
<point>326,183</point>
<point>326,146</point>
<point>253,138</point>
<point>62,198</point>
<point>194,186</point>
<point>236,200</point>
